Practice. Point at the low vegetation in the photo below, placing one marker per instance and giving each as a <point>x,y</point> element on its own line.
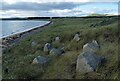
<point>17,60</point>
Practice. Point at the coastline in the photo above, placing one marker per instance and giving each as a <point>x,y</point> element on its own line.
<point>16,38</point>
<point>20,55</point>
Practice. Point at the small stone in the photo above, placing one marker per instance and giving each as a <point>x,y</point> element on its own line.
<point>57,39</point>
<point>33,43</point>
<point>40,60</point>
<point>76,37</point>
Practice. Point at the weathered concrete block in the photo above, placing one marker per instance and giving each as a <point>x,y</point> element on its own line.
<point>55,51</point>
<point>47,47</point>
<point>91,47</point>
<point>88,62</point>
<point>40,60</point>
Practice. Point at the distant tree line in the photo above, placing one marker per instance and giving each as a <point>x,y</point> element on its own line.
<point>41,18</point>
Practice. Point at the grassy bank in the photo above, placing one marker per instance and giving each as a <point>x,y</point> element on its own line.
<point>17,60</point>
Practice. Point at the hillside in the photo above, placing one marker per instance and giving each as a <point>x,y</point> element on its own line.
<point>17,60</point>
<point>95,14</point>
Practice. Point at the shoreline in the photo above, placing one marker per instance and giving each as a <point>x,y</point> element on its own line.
<point>20,32</point>
<point>16,38</point>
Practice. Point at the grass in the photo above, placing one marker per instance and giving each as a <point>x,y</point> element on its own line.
<point>18,59</point>
<point>62,68</point>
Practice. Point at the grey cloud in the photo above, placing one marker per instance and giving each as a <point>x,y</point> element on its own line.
<point>45,9</point>
<point>39,6</point>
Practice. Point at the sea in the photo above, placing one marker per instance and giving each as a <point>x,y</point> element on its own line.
<point>11,27</point>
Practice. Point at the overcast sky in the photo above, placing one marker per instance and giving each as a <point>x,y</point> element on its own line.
<point>32,8</point>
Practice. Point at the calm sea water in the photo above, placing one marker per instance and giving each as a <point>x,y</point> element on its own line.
<point>10,27</point>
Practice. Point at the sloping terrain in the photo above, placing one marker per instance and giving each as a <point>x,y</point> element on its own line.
<point>17,60</point>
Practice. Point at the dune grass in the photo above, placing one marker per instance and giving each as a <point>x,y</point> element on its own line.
<point>18,59</point>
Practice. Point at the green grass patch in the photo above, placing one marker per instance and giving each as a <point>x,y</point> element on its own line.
<point>18,59</point>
